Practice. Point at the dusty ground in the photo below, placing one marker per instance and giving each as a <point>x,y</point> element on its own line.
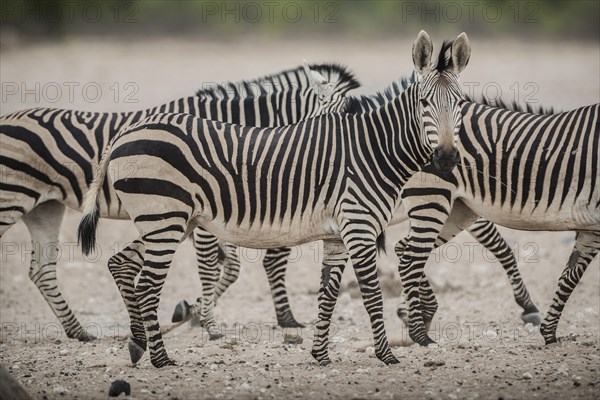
<point>485,351</point>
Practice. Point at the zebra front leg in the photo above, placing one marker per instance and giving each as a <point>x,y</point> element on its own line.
<point>363,253</point>
<point>334,262</point>
<point>275,263</point>
<point>202,311</point>
<point>124,267</point>
<point>432,225</point>
<point>428,302</point>
<point>487,234</point>
<point>44,223</point>
<point>586,247</point>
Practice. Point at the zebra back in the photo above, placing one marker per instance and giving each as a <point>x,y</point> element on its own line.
<point>64,146</point>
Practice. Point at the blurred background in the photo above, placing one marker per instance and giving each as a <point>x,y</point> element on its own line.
<point>121,55</point>
<point>299,19</point>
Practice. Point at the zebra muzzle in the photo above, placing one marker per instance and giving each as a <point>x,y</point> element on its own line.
<point>445,160</point>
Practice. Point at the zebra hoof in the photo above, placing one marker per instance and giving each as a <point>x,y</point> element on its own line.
<point>86,337</point>
<point>196,322</point>
<point>215,336</point>
<point>534,318</point>
<point>391,361</point>
<point>291,324</point>
<point>182,311</point>
<point>550,340</point>
<point>136,350</point>
<point>164,363</point>
<point>324,362</point>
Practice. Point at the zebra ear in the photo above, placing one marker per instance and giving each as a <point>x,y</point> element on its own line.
<point>314,77</point>
<point>421,52</point>
<point>461,52</point>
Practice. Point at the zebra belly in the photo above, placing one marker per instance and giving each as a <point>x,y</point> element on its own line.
<point>574,217</point>
<point>276,235</point>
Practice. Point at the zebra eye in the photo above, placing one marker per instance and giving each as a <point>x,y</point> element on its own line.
<point>424,102</point>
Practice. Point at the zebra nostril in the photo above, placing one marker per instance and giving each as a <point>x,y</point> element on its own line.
<point>437,153</point>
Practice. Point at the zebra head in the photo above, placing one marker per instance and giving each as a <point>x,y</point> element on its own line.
<point>329,84</point>
<point>440,97</point>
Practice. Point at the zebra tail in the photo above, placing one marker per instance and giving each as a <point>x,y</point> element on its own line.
<point>381,243</point>
<point>86,232</point>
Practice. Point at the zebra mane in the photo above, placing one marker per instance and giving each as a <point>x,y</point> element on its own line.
<point>513,105</point>
<point>366,103</point>
<point>281,81</point>
<point>445,57</point>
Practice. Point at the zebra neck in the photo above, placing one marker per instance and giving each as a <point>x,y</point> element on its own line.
<point>394,138</point>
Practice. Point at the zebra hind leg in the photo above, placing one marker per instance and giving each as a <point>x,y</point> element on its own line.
<point>44,223</point>
<point>487,234</point>
<point>334,262</point>
<point>124,267</point>
<point>160,246</point>
<point>275,264</point>
<point>207,255</point>
<point>230,260</point>
<point>586,248</point>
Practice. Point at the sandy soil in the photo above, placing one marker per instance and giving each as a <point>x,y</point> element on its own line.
<point>485,351</point>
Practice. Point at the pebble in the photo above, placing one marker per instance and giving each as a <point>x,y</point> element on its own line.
<point>63,352</point>
<point>434,363</point>
<point>59,389</point>
<point>244,386</point>
<point>111,350</point>
<point>527,375</point>
<point>292,339</point>
<point>119,386</point>
<point>491,334</point>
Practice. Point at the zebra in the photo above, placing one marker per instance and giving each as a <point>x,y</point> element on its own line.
<point>47,158</point>
<point>482,230</point>
<point>335,177</point>
<point>524,171</point>
<point>275,260</point>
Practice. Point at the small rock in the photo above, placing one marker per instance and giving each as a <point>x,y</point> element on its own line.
<point>527,375</point>
<point>118,387</point>
<point>491,334</point>
<point>111,350</point>
<point>434,363</point>
<point>563,369</point>
<point>63,352</point>
<point>244,386</point>
<point>59,390</point>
